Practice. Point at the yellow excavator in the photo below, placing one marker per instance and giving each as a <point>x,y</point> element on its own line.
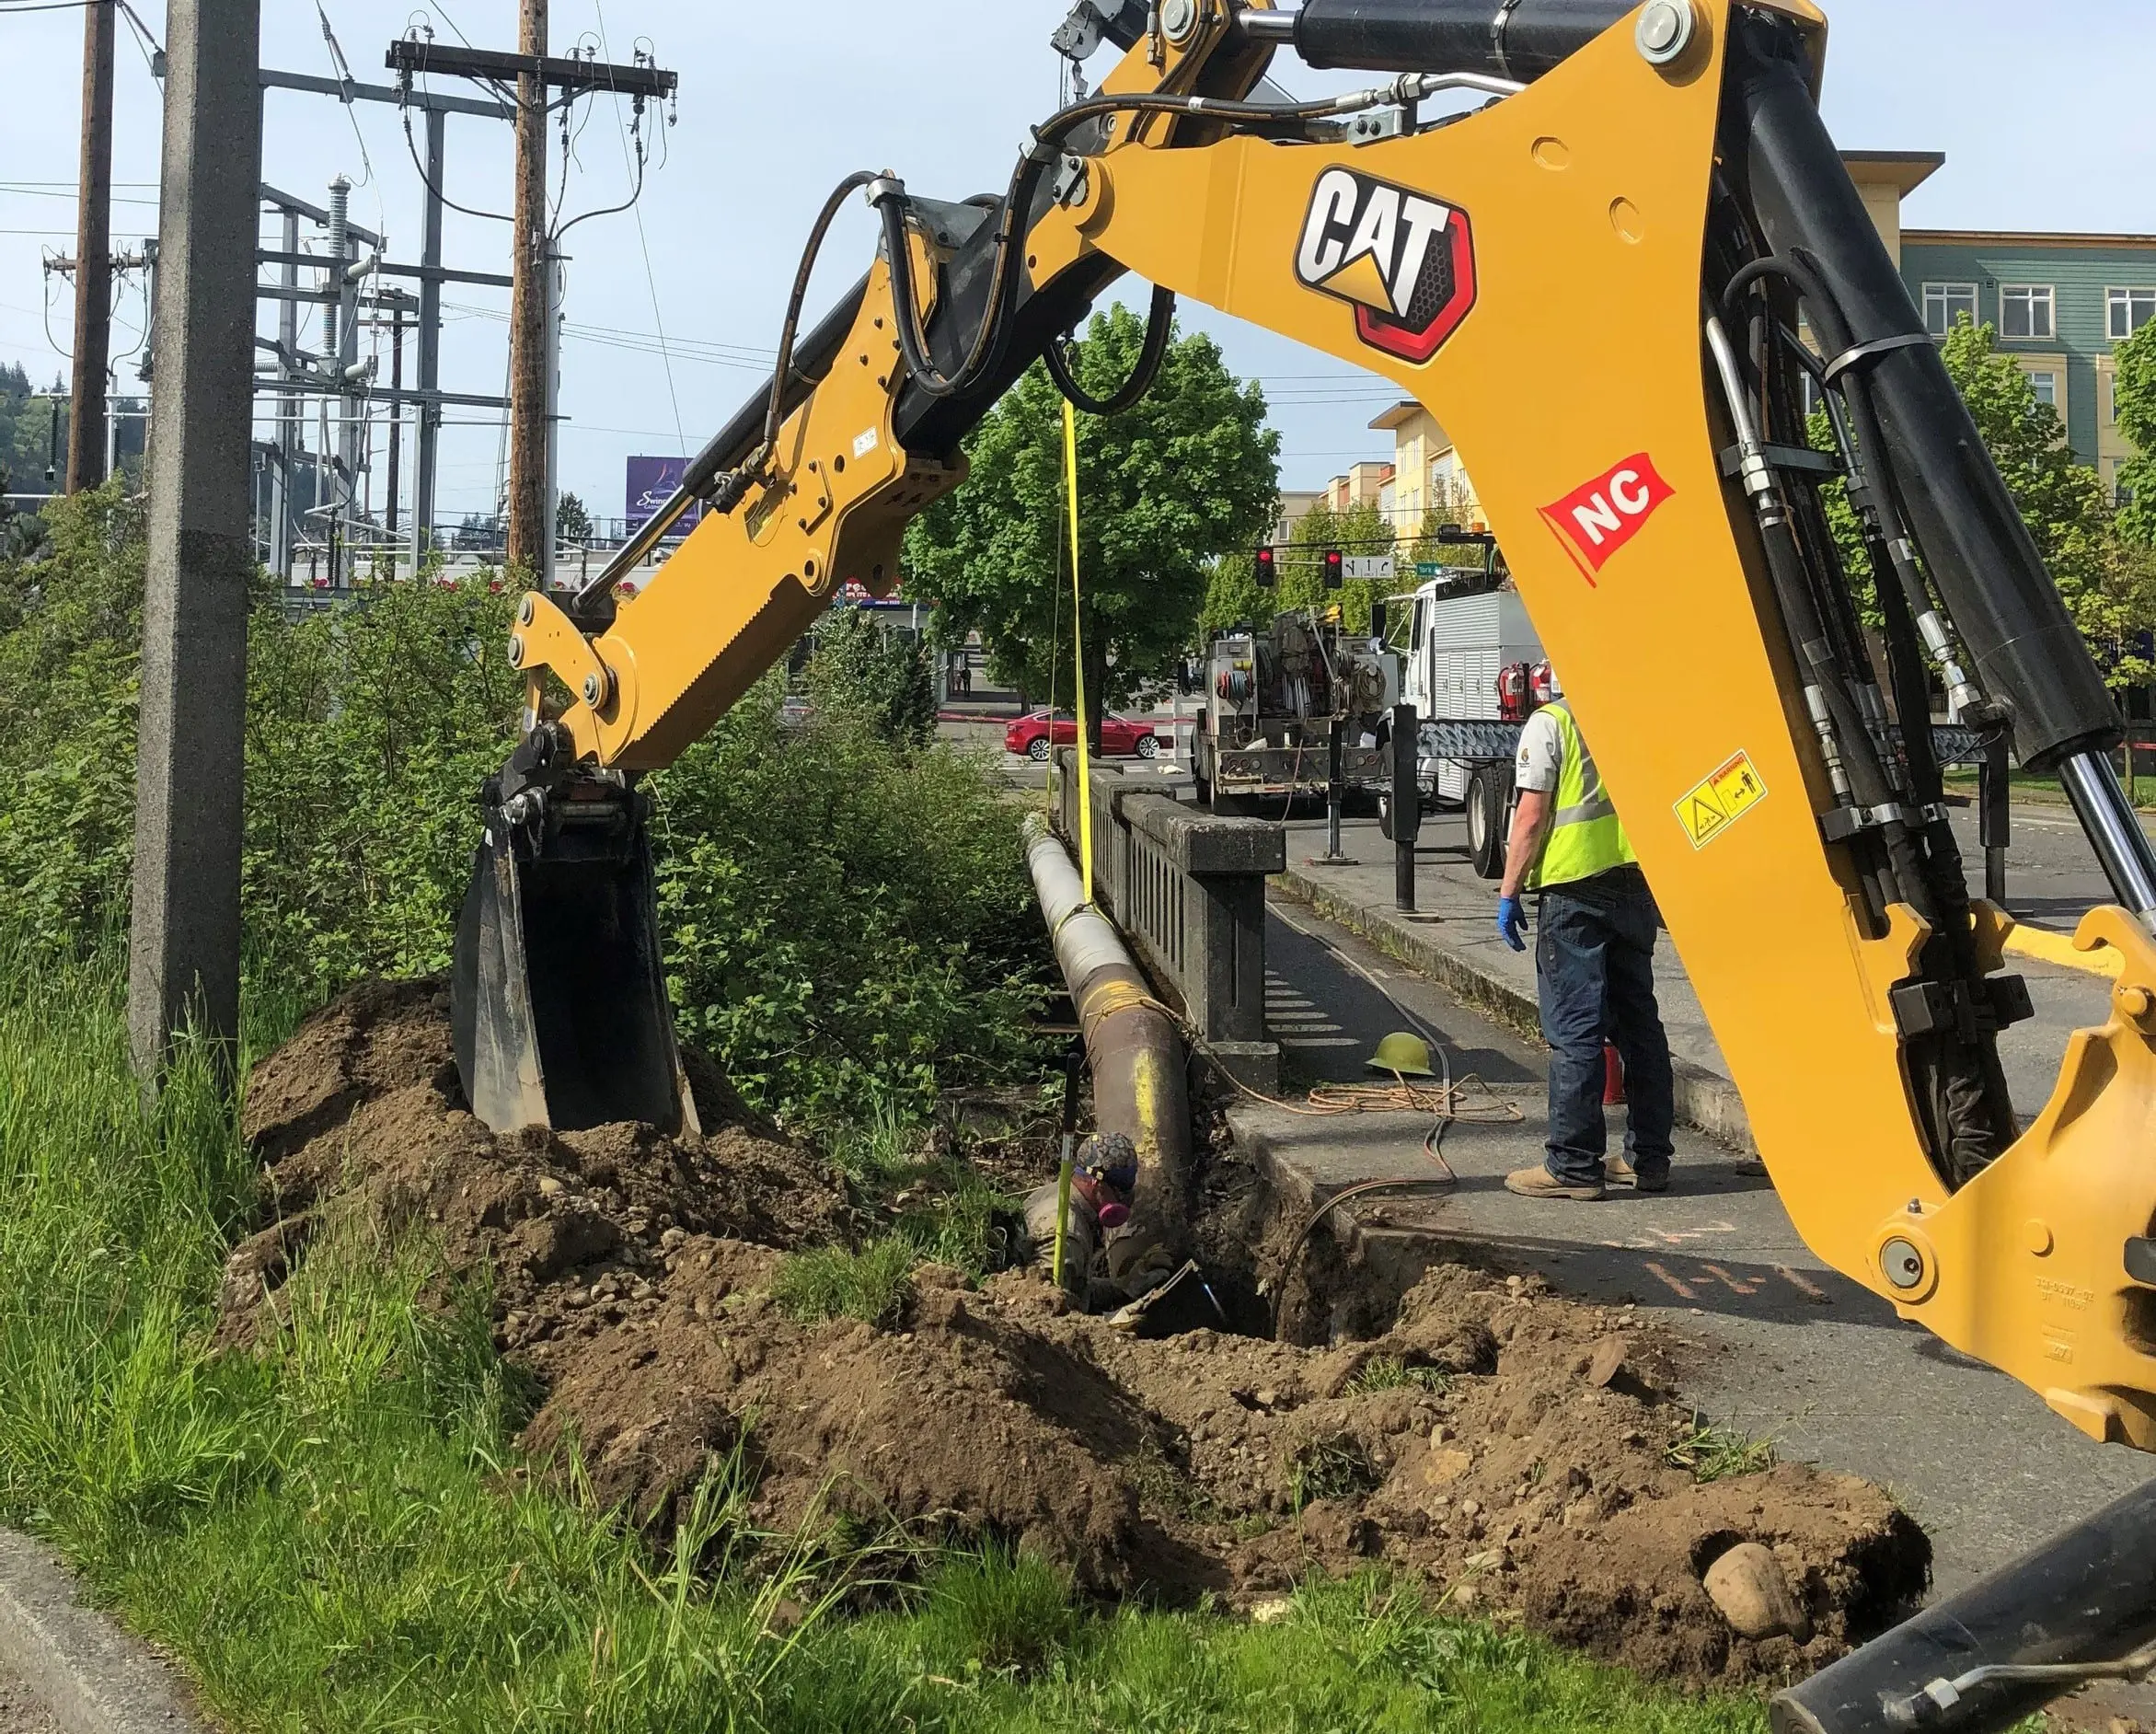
<point>1619,278</point>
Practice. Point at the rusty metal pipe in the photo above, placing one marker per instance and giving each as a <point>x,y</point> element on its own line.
<point>1140,1083</point>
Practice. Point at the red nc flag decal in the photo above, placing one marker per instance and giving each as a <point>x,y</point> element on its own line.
<point>1596,520</point>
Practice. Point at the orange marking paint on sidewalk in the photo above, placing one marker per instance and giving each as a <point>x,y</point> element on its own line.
<point>1741,1288</point>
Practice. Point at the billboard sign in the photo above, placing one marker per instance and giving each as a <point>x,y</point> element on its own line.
<point>652,482</point>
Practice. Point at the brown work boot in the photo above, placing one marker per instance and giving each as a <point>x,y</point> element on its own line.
<point>1620,1172</point>
<point>1540,1183</point>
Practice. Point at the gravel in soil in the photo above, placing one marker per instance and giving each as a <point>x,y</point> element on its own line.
<point>1510,1448</point>
<point>21,1711</point>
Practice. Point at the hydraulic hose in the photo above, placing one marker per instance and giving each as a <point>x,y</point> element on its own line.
<point>2024,646</point>
<point>1967,1109</point>
<point>1160,328</point>
<point>1007,282</point>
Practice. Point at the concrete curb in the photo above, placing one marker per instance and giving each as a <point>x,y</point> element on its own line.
<point>94,1676</point>
<point>1706,1101</point>
<point>2058,949</point>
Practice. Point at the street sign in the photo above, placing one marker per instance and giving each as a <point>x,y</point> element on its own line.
<point>1375,567</point>
<point>1430,569</point>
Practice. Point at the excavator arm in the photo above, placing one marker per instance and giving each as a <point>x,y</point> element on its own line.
<point>1596,281</point>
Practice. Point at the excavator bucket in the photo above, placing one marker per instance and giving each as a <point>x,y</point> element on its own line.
<point>559,1003</point>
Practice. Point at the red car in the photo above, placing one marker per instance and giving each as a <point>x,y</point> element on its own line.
<point>1119,736</point>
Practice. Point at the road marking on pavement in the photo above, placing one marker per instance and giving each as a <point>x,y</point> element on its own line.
<point>2047,947</point>
<point>1802,1285</point>
<point>1684,1292</point>
<point>1723,1277</point>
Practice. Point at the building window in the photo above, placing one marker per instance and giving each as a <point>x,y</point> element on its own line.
<point>1948,304</point>
<point>2045,383</point>
<point>2127,310</point>
<point>2024,310</point>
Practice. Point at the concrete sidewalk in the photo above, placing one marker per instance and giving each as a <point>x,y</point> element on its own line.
<point>1781,1346</point>
<point>1452,940</point>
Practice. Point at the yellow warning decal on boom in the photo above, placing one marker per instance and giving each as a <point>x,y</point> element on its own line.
<point>1720,801</point>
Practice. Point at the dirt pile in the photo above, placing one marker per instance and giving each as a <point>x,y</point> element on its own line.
<point>1511,1447</point>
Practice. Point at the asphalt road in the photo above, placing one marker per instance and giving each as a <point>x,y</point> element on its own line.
<point>2052,877</point>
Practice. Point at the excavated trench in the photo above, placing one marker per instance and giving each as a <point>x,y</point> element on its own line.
<point>1511,1448</point>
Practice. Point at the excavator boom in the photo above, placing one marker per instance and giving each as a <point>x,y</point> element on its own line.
<point>1618,281</point>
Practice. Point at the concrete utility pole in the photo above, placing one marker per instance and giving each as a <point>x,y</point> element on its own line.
<point>93,255</point>
<point>184,947</point>
<point>529,302</point>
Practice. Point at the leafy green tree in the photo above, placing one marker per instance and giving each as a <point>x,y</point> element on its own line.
<point>861,665</point>
<point>1188,477</point>
<point>2061,501</point>
<point>2134,391</point>
<point>572,520</point>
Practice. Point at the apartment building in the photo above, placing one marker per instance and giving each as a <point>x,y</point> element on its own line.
<point>2061,303</point>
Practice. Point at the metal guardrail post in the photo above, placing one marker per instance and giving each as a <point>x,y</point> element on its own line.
<point>1407,804</point>
<point>1995,816</point>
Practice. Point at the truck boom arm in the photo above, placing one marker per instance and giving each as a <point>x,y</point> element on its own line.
<point>1594,282</point>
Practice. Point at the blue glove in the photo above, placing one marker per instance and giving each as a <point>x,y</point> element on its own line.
<point>1512,923</point>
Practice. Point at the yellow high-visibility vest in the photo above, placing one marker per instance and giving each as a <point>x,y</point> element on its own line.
<point>1586,836</point>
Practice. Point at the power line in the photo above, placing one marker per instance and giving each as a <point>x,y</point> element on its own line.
<point>643,243</point>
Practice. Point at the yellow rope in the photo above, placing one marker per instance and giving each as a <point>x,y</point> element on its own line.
<point>1077,634</point>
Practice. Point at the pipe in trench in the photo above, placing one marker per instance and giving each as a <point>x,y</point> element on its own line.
<point>1140,1085</point>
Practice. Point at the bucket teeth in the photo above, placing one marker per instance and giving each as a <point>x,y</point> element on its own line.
<point>559,1002</point>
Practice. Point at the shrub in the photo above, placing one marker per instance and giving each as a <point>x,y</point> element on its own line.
<point>845,920</point>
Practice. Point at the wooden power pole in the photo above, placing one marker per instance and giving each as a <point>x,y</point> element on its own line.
<point>528,302</point>
<point>531,303</point>
<point>93,255</point>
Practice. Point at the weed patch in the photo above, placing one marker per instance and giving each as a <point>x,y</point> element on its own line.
<point>872,1284</point>
<point>1714,1454</point>
<point>1329,1469</point>
<point>1390,1373</point>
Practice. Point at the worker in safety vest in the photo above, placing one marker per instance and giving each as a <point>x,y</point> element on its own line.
<point>1596,928</point>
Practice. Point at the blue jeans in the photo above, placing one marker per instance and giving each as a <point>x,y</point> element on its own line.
<point>1594,968</point>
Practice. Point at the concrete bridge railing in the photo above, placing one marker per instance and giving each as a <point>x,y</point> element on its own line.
<point>1187,890</point>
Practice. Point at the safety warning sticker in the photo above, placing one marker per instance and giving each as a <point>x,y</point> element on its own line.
<point>1721,801</point>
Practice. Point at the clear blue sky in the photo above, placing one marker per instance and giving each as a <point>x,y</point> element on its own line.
<point>2043,112</point>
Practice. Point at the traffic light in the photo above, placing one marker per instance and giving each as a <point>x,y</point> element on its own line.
<point>1336,569</point>
<point>1268,569</point>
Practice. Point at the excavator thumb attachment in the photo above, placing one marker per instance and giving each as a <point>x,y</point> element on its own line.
<point>559,1005</point>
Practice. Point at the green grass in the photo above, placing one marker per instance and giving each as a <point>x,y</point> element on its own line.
<point>335,1534</point>
<point>1390,1373</point>
<point>1715,1453</point>
<point>2032,786</point>
<point>872,1284</point>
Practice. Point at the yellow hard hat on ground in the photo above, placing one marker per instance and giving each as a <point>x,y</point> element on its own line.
<point>1399,1052</point>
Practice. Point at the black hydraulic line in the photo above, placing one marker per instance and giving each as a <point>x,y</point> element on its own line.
<point>1016,216</point>
<point>1513,38</point>
<point>2023,644</point>
<point>1961,1089</point>
<point>1160,328</point>
<point>2085,1597</point>
<point>782,376</point>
